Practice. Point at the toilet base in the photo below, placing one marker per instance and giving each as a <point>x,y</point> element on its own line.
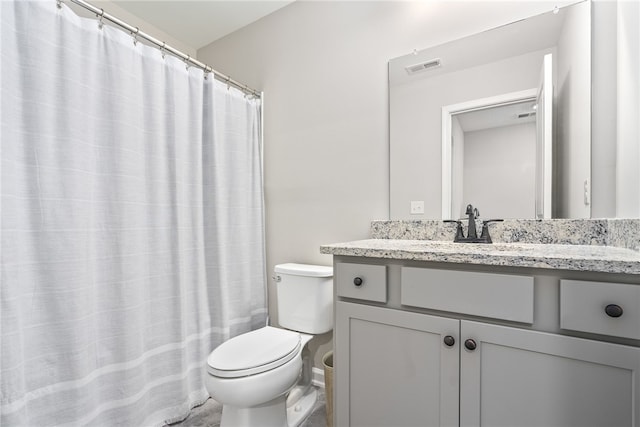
<point>269,414</point>
<point>300,410</point>
<point>274,413</point>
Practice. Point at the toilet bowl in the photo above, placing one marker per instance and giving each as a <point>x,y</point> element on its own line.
<point>263,377</point>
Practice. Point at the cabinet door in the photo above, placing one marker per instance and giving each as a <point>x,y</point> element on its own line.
<point>519,377</point>
<point>393,368</point>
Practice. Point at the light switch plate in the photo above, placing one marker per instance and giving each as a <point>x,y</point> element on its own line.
<point>417,207</point>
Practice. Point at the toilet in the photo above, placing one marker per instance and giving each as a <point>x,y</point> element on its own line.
<point>263,377</point>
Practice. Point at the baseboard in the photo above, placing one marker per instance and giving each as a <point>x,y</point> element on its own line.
<point>317,377</point>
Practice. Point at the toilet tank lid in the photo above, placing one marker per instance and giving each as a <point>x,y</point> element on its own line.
<point>304,270</point>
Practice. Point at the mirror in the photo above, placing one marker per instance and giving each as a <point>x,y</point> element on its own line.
<point>472,133</point>
<point>538,166</point>
<point>498,151</point>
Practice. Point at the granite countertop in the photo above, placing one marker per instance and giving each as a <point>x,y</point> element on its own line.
<point>606,259</point>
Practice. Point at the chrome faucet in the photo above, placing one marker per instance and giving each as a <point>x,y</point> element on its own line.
<point>472,234</point>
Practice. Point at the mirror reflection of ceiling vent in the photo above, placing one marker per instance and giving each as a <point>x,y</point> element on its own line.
<point>423,66</point>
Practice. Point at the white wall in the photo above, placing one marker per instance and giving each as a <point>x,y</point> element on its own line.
<point>501,186</point>
<point>323,67</point>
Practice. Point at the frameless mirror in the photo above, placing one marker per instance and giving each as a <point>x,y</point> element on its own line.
<point>473,133</point>
<point>500,119</point>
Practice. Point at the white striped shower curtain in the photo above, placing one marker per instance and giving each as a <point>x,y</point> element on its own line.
<point>131,223</point>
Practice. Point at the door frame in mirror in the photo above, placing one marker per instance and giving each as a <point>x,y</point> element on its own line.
<point>447,146</point>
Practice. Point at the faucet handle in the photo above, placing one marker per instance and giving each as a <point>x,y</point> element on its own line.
<point>459,232</point>
<point>485,229</point>
<point>488,221</point>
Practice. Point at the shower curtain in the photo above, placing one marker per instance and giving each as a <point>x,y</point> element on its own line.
<point>131,219</point>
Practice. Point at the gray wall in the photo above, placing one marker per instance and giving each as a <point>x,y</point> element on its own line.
<point>323,67</point>
<point>604,104</point>
<point>628,110</point>
<point>616,107</point>
<point>502,186</point>
<point>573,105</point>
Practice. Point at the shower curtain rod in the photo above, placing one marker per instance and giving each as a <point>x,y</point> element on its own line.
<point>136,33</point>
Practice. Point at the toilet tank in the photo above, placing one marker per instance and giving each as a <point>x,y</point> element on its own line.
<point>305,297</point>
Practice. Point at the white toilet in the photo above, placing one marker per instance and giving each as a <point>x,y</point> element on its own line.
<point>263,377</point>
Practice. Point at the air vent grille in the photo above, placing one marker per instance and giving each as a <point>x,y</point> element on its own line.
<point>423,66</point>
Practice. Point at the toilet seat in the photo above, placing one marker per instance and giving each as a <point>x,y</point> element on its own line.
<point>254,352</point>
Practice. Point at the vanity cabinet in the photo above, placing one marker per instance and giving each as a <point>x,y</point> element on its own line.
<point>395,369</point>
<point>518,377</point>
<point>442,348</point>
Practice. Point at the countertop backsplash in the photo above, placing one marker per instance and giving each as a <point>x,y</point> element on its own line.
<point>622,233</point>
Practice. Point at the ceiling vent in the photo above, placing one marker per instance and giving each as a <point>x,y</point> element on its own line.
<point>423,66</point>
<point>526,114</point>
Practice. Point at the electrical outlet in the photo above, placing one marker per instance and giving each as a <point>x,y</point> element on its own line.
<point>417,207</point>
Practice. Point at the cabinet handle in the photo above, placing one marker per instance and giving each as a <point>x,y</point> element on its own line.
<point>613,310</point>
<point>470,344</point>
<point>358,281</point>
<point>449,341</point>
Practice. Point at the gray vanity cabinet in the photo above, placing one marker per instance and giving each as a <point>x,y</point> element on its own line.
<point>395,369</point>
<point>404,360</point>
<point>518,377</point>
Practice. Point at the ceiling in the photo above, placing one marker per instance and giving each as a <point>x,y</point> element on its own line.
<point>498,116</point>
<point>197,23</point>
<point>535,33</point>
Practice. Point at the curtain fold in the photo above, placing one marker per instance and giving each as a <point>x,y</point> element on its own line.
<point>131,219</point>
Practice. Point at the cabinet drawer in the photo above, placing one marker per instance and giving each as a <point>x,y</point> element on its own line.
<point>362,281</point>
<point>497,296</point>
<point>583,307</point>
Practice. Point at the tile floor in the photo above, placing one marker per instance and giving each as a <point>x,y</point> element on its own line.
<point>208,415</point>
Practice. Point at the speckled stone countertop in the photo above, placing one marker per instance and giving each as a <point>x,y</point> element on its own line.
<point>593,245</point>
<point>604,259</point>
<point>623,233</point>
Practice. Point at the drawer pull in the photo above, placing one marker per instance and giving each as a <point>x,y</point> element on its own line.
<point>613,310</point>
<point>470,344</point>
<point>358,281</point>
<point>449,341</point>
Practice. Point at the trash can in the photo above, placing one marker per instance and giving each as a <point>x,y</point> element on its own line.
<point>327,363</point>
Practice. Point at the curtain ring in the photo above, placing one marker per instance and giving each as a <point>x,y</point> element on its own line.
<point>186,61</point>
<point>100,16</point>
<point>207,70</point>
<point>228,84</point>
<point>135,36</point>
<point>59,4</point>
<point>162,52</point>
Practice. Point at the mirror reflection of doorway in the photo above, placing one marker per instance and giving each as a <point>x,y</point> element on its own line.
<point>497,153</point>
<point>494,160</point>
